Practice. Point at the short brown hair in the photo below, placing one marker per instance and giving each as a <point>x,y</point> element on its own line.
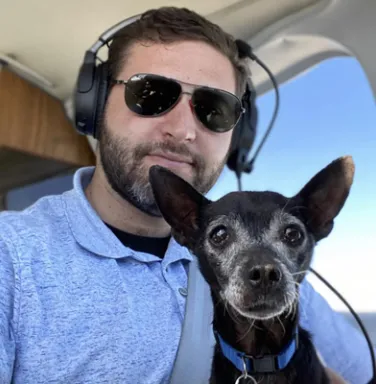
<point>172,24</point>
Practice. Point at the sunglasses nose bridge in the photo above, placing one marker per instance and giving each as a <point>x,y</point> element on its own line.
<point>190,101</point>
<point>186,93</point>
<point>189,94</point>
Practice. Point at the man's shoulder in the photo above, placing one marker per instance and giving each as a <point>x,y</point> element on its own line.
<point>47,215</point>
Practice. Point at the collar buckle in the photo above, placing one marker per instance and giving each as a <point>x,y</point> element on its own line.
<point>264,364</point>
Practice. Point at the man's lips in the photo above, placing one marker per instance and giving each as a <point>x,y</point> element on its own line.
<point>172,157</point>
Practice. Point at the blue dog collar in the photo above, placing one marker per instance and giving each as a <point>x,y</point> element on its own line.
<point>265,364</point>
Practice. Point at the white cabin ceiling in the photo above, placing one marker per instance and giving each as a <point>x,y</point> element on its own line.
<point>50,37</point>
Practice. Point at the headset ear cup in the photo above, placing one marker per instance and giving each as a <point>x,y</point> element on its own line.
<point>90,95</point>
<point>101,98</point>
<point>245,132</point>
<point>85,95</point>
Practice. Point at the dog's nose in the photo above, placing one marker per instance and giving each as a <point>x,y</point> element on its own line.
<point>265,274</point>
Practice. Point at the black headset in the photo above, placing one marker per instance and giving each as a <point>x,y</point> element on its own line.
<point>92,90</point>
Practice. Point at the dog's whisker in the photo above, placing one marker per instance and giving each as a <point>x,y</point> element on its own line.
<point>291,300</point>
<point>283,327</point>
<point>231,313</point>
<point>294,309</point>
<point>284,207</point>
<point>249,330</point>
<point>297,284</point>
<point>299,273</point>
<point>291,310</point>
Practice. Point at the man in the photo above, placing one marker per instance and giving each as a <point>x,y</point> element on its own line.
<point>92,287</point>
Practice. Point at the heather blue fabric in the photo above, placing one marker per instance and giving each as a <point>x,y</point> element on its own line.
<point>77,306</point>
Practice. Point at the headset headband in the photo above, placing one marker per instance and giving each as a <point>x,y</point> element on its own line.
<point>106,36</point>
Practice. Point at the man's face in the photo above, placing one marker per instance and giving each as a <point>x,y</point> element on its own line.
<point>130,144</point>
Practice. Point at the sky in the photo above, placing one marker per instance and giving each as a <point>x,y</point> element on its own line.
<point>325,113</point>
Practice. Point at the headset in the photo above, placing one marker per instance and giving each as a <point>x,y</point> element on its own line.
<point>91,93</point>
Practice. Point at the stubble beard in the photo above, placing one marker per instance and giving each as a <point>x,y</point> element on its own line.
<point>128,175</point>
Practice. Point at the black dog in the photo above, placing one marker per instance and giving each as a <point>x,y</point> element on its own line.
<point>254,249</point>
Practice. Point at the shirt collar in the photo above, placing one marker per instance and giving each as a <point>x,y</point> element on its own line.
<point>93,235</point>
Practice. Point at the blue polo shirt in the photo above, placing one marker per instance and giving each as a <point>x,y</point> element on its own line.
<point>77,306</point>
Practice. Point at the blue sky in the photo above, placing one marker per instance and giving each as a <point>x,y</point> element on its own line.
<point>325,113</point>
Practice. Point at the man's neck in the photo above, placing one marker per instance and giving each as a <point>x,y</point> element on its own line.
<point>119,213</point>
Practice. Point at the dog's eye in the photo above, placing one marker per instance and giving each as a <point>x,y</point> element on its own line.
<point>219,235</point>
<point>293,235</point>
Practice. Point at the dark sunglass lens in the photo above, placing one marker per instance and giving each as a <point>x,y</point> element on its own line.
<point>150,95</point>
<point>219,111</point>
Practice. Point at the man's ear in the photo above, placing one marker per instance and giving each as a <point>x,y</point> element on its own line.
<point>179,203</point>
<point>325,194</point>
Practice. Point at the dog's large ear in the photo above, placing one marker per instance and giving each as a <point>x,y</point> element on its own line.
<point>179,203</point>
<point>325,194</point>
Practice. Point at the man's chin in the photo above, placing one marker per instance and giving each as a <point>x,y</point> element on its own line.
<point>139,196</point>
<point>146,205</point>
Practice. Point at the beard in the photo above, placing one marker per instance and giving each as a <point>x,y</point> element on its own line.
<point>128,176</point>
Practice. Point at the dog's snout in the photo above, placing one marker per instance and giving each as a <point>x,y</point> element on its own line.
<point>265,275</point>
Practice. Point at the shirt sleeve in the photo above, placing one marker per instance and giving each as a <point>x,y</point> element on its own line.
<point>8,277</point>
<point>342,346</point>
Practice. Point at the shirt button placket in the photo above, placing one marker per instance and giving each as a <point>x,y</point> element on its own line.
<point>183,291</point>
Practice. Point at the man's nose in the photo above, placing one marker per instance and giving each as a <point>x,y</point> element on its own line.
<point>180,122</point>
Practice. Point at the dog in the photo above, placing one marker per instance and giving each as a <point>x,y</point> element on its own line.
<point>254,249</point>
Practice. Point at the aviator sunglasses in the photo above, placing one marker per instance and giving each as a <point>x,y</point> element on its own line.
<point>152,95</point>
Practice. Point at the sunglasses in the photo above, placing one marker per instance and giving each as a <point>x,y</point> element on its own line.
<point>151,95</point>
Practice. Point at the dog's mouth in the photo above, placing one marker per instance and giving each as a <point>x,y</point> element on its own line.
<point>265,310</point>
<point>264,306</point>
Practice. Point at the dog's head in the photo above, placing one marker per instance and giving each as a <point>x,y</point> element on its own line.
<point>254,247</point>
